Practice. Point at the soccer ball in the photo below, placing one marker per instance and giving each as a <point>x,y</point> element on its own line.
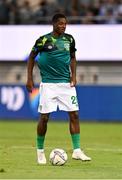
<point>58,157</point>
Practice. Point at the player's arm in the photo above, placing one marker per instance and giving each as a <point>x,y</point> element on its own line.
<point>73,70</point>
<point>73,62</point>
<point>30,66</point>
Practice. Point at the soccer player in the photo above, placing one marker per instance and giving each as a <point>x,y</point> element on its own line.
<point>57,65</point>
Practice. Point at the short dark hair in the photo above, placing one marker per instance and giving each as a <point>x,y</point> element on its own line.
<point>57,16</point>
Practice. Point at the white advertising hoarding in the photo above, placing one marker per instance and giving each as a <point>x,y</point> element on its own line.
<point>93,42</point>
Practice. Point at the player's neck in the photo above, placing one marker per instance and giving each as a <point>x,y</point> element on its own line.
<point>55,34</point>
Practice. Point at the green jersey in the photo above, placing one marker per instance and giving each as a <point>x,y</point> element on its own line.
<point>54,56</point>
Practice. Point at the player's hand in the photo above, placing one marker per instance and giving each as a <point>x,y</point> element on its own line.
<point>29,85</point>
<point>73,81</point>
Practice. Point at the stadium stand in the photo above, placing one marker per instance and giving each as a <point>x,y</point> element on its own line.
<point>77,11</point>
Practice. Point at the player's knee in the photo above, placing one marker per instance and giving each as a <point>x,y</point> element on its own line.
<point>44,118</point>
<point>73,116</point>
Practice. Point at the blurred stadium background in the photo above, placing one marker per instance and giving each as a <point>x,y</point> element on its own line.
<point>97,27</point>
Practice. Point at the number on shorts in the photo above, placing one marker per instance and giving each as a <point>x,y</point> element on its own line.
<point>74,99</point>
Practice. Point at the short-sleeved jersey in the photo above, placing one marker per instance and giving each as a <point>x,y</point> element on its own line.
<point>54,55</point>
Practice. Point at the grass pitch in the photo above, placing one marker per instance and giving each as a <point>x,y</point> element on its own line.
<point>103,142</point>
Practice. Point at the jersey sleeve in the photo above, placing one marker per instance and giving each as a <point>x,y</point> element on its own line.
<point>38,46</point>
<point>72,47</point>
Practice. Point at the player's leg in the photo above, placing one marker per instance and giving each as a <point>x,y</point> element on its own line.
<point>41,132</point>
<point>47,104</point>
<point>74,127</point>
<point>42,124</point>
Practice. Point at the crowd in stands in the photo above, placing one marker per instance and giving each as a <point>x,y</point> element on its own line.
<point>76,11</point>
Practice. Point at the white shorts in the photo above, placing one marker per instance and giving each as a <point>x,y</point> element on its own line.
<point>61,95</point>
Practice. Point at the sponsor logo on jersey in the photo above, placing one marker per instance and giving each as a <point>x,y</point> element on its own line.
<point>50,47</point>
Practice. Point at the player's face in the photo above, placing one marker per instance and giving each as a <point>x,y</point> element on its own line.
<point>60,26</point>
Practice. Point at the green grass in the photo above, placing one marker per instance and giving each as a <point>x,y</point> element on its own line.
<point>103,142</point>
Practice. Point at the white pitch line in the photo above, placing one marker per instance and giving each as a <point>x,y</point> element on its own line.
<point>105,149</point>
<point>89,149</point>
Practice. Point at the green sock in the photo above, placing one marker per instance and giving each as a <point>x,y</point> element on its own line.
<point>40,142</point>
<point>76,140</point>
